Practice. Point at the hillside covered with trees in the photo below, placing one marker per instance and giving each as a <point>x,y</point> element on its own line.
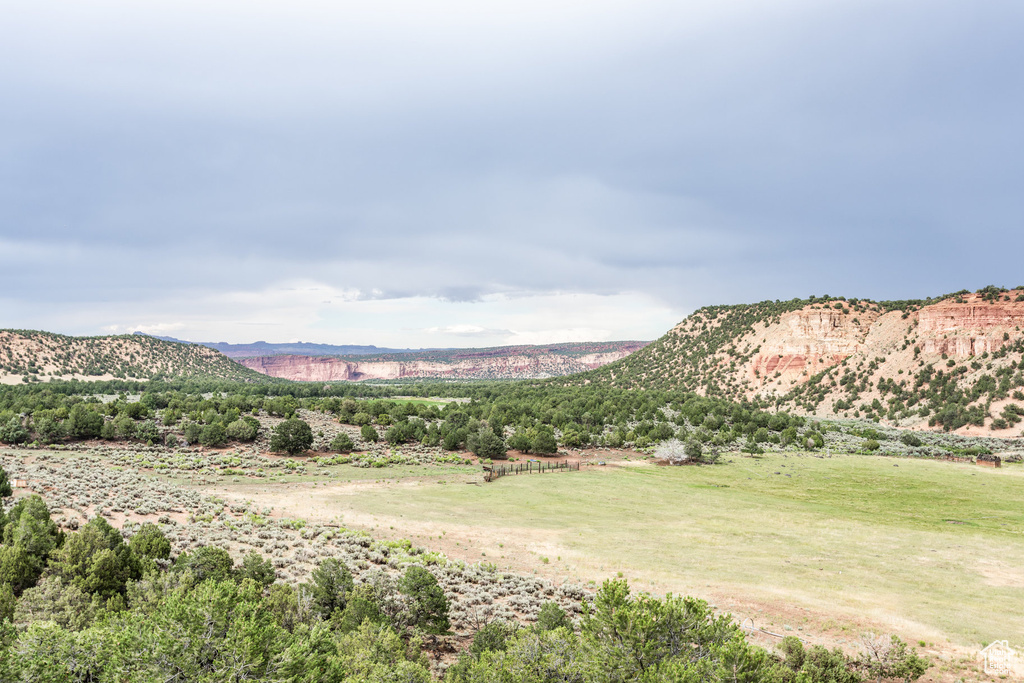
<point>28,356</point>
<point>952,362</point>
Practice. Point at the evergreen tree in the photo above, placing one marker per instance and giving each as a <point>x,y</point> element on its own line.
<point>292,436</point>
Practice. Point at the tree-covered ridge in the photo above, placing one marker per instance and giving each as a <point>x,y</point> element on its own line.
<point>948,393</point>
<point>890,369</point>
<point>703,352</point>
<point>690,356</point>
<point>905,384</point>
<point>33,356</point>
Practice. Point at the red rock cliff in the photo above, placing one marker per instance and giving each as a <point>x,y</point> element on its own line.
<point>811,339</point>
<point>486,364</point>
<point>970,328</point>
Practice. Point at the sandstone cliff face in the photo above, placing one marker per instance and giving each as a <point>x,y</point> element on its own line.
<point>887,349</point>
<point>810,340</point>
<point>970,328</point>
<point>481,365</point>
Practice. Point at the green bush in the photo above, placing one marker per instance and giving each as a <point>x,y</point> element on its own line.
<point>50,430</point>
<point>552,616</point>
<point>427,605</point>
<point>432,437</point>
<point>694,450</point>
<point>207,562</point>
<point>910,439</point>
<point>147,432</point>
<point>342,443</point>
<point>814,440</point>
<point>369,433</point>
<point>213,435</point>
<point>292,436</point>
<point>150,542</point>
<point>891,659</point>
<point>492,637</point>
<point>331,585</point>
<point>453,440</point>
<point>245,428</point>
<point>394,435</point>
<point>520,441</point>
<point>13,432</point>
<point>84,422</point>
<point>486,444</point>
<point>816,663</point>
<point>192,431</point>
<point>543,441</point>
<point>258,568</point>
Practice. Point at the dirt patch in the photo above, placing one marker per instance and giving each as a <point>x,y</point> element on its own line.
<point>997,573</point>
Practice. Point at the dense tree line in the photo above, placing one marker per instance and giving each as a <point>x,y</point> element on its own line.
<point>487,418</point>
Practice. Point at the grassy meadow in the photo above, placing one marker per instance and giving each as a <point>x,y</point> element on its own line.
<point>933,550</point>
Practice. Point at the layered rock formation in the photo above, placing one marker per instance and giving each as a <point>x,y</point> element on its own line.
<point>811,340</point>
<point>521,362</point>
<point>904,361</point>
<point>970,328</point>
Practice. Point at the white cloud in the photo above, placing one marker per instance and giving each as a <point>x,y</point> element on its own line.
<point>409,174</point>
<point>296,311</point>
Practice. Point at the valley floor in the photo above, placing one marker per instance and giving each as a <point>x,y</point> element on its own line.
<point>822,547</point>
<point>826,548</point>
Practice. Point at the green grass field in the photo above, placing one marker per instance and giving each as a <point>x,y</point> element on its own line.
<point>933,550</point>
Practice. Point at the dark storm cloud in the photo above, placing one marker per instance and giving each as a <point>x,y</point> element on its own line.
<point>702,154</point>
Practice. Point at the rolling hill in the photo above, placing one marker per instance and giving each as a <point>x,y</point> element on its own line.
<point>953,362</point>
<point>33,356</point>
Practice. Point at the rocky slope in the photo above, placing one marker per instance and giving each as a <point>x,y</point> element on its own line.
<point>512,362</point>
<point>34,356</point>
<point>952,362</point>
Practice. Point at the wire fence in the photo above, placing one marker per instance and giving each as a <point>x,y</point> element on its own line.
<point>492,472</point>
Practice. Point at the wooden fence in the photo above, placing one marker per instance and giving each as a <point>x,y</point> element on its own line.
<point>492,472</point>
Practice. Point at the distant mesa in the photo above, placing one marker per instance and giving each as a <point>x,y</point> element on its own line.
<point>505,362</point>
<point>262,348</point>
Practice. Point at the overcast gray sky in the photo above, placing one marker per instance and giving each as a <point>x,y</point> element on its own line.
<point>408,173</point>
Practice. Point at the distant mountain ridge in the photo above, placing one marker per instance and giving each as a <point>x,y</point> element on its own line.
<point>262,348</point>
